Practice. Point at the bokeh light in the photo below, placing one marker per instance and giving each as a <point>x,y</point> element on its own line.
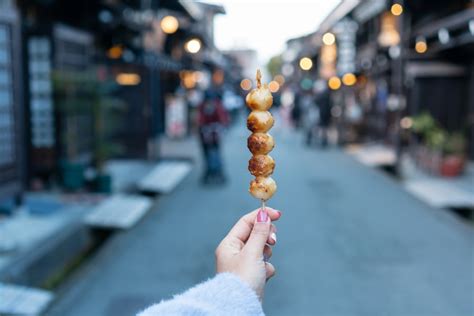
<point>280,79</point>
<point>287,98</point>
<point>218,76</point>
<point>306,84</point>
<point>189,78</point>
<point>306,63</point>
<point>115,52</point>
<point>349,79</point>
<point>193,46</point>
<point>329,38</point>
<point>334,83</point>
<point>406,122</point>
<point>169,24</point>
<point>246,84</point>
<point>396,9</point>
<point>273,86</point>
<point>421,47</point>
<point>128,79</point>
<point>287,69</point>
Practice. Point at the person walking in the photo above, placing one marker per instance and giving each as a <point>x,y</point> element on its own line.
<point>323,101</point>
<point>212,119</point>
<point>242,271</point>
<point>310,117</point>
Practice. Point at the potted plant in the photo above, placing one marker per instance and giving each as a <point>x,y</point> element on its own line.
<point>85,95</point>
<point>437,150</point>
<point>435,140</point>
<point>422,128</point>
<point>106,106</point>
<point>72,91</point>
<point>454,160</point>
<point>422,124</point>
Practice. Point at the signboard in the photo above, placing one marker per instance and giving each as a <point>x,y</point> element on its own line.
<point>345,31</point>
<point>368,9</point>
<point>176,116</point>
<point>7,119</point>
<point>10,105</point>
<point>41,105</point>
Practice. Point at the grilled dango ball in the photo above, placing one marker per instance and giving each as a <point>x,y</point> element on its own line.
<point>262,188</point>
<point>261,165</point>
<point>259,121</point>
<point>260,99</point>
<point>260,143</point>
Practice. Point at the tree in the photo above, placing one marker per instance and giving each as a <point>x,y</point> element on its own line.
<point>274,65</point>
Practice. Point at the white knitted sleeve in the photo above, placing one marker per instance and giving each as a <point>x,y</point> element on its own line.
<point>225,294</point>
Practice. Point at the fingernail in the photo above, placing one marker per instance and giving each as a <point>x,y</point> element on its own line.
<point>262,216</point>
<point>274,237</point>
<point>279,213</point>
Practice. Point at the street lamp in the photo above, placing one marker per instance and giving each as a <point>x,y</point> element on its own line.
<point>169,24</point>
<point>128,79</point>
<point>396,9</point>
<point>443,36</point>
<point>334,83</point>
<point>193,46</point>
<point>329,38</point>
<point>349,79</point>
<point>115,52</point>
<point>421,47</point>
<point>306,63</point>
<point>273,86</point>
<point>246,84</point>
<point>389,34</point>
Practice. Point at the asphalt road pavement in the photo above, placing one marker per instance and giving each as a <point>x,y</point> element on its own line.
<point>351,241</point>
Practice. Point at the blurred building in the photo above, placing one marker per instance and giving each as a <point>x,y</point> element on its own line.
<point>11,109</point>
<point>390,61</point>
<point>94,80</point>
<point>440,63</point>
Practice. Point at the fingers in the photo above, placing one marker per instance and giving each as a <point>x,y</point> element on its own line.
<point>270,270</point>
<point>267,252</point>
<point>272,237</point>
<point>259,235</point>
<point>243,227</point>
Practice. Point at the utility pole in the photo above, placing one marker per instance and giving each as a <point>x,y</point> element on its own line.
<point>398,79</point>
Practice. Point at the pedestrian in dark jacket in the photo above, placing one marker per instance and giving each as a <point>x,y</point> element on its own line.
<point>212,119</point>
<point>324,103</point>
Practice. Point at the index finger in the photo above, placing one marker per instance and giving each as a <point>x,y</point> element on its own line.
<point>243,227</point>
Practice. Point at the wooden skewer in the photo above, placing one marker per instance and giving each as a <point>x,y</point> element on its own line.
<point>259,78</point>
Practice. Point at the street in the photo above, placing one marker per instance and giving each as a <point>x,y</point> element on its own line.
<point>351,241</point>
<point>135,134</point>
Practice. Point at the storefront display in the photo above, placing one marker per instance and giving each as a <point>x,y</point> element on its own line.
<point>10,106</point>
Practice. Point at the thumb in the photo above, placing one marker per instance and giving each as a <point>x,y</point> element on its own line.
<point>259,235</point>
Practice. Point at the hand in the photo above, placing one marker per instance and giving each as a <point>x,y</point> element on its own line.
<point>245,250</point>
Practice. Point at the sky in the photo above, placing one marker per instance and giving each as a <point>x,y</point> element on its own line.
<point>265,25</point>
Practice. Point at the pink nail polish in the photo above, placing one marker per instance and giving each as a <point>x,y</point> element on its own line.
<point>262,216</point>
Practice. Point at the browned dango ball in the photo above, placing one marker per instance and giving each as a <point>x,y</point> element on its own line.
<point>260,143</point>
<point>261,165</point>
<point>263,188</point>
<point>260,99</point>
<point>259,121</point>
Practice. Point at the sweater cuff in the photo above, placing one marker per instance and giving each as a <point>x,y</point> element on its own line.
<point>229,293</point>
<point>225,294</point>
